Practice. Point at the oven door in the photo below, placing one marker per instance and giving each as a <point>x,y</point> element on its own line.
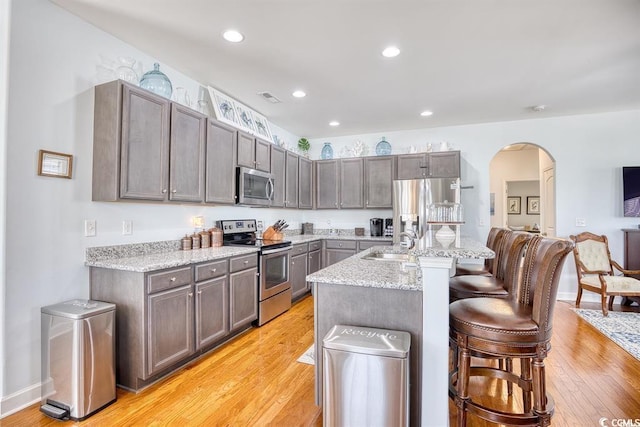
<point>274,272</point>
<point>254,187</point>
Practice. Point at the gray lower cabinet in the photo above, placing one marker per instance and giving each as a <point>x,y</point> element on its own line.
<point>314,261</point>
<point>298,270</point>
<point>338,250</point>
<point>170,328</point>
<point>243,291</point>
<point>305,183</point>
<point>378,181</point>
<point>278,172</point>
<point>291,181</point>
<point>187,154</point>
<point>222,141</point>
<point>130,143</point>
<point>165,318</point>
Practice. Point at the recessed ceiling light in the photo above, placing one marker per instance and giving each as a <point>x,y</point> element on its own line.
<point>334,123</point>
<point>391,52</point>
<point>233,36</point>
<point>299,94</point>
<point>426,113</point>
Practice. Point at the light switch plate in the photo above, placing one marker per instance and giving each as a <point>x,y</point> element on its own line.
<point>89,227</point>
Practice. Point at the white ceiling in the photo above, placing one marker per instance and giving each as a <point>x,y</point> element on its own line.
<point>469,61</point>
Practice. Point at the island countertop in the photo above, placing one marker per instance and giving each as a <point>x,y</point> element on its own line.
<point>357,270</point>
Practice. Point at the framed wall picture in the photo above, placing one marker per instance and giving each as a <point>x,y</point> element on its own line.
<point>533,205</point>
<point>262,126</point>
<point>54,164</point>
<point>223,107</point>
<point>513,205</point>
<point>245,119</point>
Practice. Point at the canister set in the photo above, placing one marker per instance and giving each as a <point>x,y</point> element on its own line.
<point>202,240</point>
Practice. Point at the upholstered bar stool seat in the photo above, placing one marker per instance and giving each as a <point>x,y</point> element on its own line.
<point>514,328</point>
<point>509,256</point>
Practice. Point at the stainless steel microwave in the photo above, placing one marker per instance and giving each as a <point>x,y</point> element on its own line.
<point>254,187</point>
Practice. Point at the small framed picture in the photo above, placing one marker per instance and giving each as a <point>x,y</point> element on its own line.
<point>223,107</point>
<point>533,205</point>
<point>513,205</point>
<point>262,126</point>
<point>54,164</point>
<point>244,117</point>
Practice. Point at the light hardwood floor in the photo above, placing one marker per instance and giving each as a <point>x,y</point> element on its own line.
<point>256,381</point>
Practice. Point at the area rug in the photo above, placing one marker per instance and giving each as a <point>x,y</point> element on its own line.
<point>308,357</point>
<point>623,328</point>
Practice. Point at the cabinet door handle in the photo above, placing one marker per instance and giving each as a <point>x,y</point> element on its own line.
<point>174,191</point>
<point>340,244</point>
<point>293,263</point>
<point>190,294</point>
<point>164,191</point>
<point>199,292</point>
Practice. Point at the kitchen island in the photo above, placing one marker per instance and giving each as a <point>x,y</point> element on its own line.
<point>372,292</point>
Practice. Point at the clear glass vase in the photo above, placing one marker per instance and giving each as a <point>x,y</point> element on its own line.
<point>327,151</point>
<point>157,82</point>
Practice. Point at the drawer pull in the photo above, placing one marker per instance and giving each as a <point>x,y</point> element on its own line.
<point>246,262</point>
<point>173,279</point>
<point>213,270</point>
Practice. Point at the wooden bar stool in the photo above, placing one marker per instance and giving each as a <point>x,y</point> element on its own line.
<point>494,239</point>
<point>506,273</point>
<point>511,328</point>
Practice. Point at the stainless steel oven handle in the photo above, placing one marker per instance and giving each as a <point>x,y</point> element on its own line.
<point>275,251</point>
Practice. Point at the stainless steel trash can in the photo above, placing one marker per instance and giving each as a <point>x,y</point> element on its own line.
<point>78,358</point>
<point>365,377</point>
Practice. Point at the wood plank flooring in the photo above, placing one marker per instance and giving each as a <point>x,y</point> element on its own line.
<point>256,381</point>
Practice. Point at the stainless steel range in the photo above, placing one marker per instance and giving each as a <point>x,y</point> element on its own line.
<point>274,289</point>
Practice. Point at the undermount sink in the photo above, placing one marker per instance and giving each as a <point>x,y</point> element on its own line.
<point>381,256</point>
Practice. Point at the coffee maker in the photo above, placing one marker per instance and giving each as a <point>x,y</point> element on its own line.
<point>376,226</point>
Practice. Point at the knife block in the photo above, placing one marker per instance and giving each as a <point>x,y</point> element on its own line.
<point>271,234</point>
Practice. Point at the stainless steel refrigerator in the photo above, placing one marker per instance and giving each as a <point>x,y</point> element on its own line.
<point>411,201</point>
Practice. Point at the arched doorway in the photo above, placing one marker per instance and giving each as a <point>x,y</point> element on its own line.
<point>522,186</point>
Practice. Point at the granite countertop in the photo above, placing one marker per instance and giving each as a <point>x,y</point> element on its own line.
<point>162,260</point>
<point>358,271</point>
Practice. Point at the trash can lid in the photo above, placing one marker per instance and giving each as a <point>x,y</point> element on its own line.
<point>377,342</point>
<point>78,308</point>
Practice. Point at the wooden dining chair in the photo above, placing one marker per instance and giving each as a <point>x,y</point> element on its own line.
<point>595,270</point>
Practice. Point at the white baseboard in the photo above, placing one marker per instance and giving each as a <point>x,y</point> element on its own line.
<point>20,400</point>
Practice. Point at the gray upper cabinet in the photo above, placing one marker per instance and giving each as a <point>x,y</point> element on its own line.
<point>291,181</point>
<point>187,154</point>
<point>327,184</point>
<point>263,155</point>
<point>131,143</point>
<point>412,166</point>
<point>278,172</point>
<point>378,181</point>
<point>305,183</point>
<point>221,163</point>
<point>351,183</point>
<point>253,153</point>
<point>444,164</point>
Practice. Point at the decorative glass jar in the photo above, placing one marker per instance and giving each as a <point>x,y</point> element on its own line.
<point>157,82</point>
<point>383,148</point>
<point>327,151</point>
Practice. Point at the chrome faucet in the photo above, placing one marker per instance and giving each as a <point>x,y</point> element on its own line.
<point>410,240</point>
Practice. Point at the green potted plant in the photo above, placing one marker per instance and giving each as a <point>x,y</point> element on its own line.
<point>304,145</point>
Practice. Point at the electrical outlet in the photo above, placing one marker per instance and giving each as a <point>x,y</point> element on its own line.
<point>127,227</point>
<point>89,227</point>
<point>581,222</point>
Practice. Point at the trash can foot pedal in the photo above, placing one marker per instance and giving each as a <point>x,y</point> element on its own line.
<point>57,412</point>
